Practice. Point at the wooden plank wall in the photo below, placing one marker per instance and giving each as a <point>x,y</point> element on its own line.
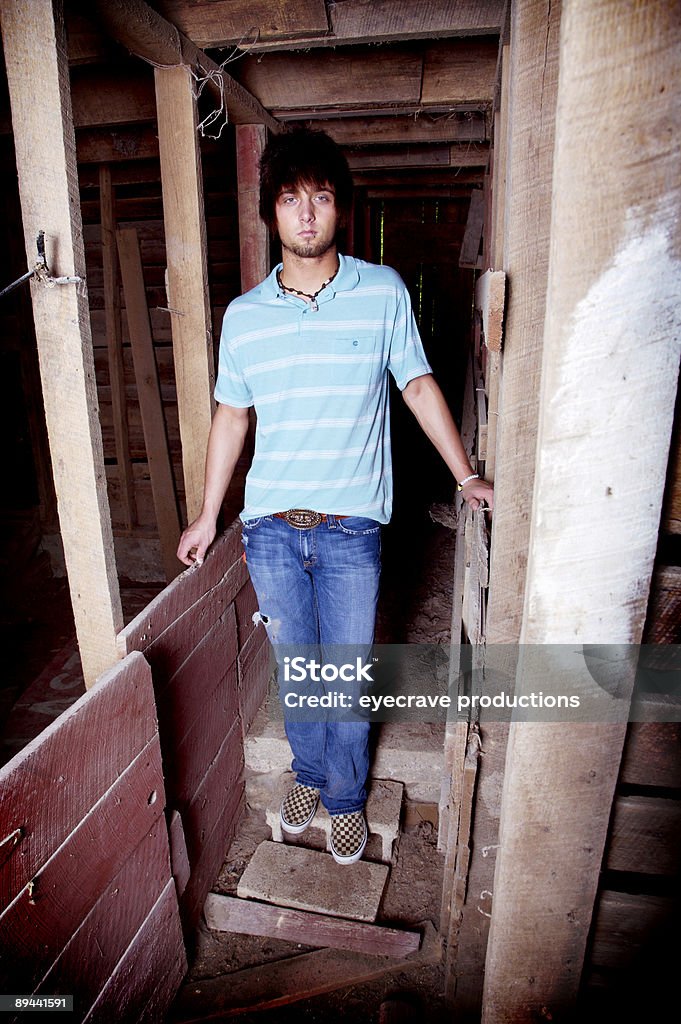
<point>85,859</point>
<point>137,203</point>
<point>210,665</point>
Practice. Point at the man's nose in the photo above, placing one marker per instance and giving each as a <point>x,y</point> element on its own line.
<point>306,210</point>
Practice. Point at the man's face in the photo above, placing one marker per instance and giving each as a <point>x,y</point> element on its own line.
<point>307,219</point>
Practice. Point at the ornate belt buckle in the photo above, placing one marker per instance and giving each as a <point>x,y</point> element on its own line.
<point>302,518</point>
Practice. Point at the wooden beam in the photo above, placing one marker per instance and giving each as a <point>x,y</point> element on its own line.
<point>100,145</point>
<point>35,48</point>
<point>230,914</point>
<point>112,313</point>
<point>459,72</point>
<point>304,24</point>
<point>533,79</point>
<point>444,75</point>
<point>187,263</point>
<point>614,292</point>
<point>334,79</point>
<point>254,241</point>
<point>380,129</point>
<point>147,34</point>
<point>151,407</point>
<point>417,156</point>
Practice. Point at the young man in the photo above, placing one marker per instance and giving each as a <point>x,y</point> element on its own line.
<point>310,348</point>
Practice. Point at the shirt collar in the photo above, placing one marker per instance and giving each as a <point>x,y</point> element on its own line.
<point>346,279</point>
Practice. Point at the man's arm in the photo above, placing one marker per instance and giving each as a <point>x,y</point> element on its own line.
<point>426,401</point>
<point>225,441</point>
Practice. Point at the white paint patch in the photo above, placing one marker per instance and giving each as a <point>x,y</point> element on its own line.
<point>605,422</point>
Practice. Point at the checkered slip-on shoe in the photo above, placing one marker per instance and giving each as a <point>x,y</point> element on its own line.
<point>348,837</point>
<point>298,808</point>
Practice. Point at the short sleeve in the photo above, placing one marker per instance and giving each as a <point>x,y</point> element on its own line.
<point>407,358</point>
<point>231,387</point>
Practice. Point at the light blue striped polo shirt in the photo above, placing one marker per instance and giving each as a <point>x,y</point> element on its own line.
<point>319,385</point>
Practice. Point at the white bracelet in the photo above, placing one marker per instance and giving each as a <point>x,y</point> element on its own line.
<point>473,476</point>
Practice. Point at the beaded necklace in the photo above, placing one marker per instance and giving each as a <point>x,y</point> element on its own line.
<point>314,305</point>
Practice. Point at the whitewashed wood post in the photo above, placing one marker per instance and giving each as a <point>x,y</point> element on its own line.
<point>609,380</point>
<point>38,76</point>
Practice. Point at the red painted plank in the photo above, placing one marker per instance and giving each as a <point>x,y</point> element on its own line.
<point>91,955</point>
<point>223,776</point>
<point>183,592</point>
<point>37,925</point>
<point>246,604</point>
<point>219,713</point>
<point>256,664</point>
<point>47,788</point>
<point>148,975</point>
<point>168,654</point>
<point>182,700</point>
<point>213,854</point>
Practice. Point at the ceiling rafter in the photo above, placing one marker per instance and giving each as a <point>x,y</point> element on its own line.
<point>144,32</point>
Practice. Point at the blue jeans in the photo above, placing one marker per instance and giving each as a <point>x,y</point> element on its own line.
<point>317,591</point>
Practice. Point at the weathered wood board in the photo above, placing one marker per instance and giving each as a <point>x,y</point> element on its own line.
<point>87,863</point>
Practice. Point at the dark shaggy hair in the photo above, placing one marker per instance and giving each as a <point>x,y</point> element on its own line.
<point>303,157</point>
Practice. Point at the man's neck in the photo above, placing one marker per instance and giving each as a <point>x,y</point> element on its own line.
<point>308,274</point>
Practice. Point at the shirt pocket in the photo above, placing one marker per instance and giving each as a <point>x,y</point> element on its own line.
<point>360,356</point>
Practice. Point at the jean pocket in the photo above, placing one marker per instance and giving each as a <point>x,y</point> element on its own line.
<point>251,524</point>
<point>358,526</point>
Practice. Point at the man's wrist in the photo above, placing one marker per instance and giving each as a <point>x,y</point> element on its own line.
<point>468,479</point>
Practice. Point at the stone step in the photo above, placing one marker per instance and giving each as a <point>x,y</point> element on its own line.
<point>293,876</point>
<point>411,753</point>
<point>383,806</point>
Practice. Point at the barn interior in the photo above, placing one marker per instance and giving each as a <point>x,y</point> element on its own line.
<point>517,162</point>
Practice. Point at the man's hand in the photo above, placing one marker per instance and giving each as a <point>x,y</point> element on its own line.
<point>196,540</point>
<point>478,494</point>
<point>426,401</point>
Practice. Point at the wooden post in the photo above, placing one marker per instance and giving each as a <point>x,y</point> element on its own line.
<point>112,312</point>
<point>529,76</point>
<point>611,342</point>
<point>188,298</point>
<point>533,77</point>
<point>35,51</point>
<point>254,242</point>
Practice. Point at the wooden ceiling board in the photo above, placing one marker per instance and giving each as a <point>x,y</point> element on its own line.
<point>390,20</point>
<point>332,79</point>
<point>459,74</point>
<point>215,23</point>
<point>306,23</point>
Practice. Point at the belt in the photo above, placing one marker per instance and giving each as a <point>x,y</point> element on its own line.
<point>304,518</point>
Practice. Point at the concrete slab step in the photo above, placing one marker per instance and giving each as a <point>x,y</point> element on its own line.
<point>293,876</point>
<point>383,806</point>
<point>411,753</point>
